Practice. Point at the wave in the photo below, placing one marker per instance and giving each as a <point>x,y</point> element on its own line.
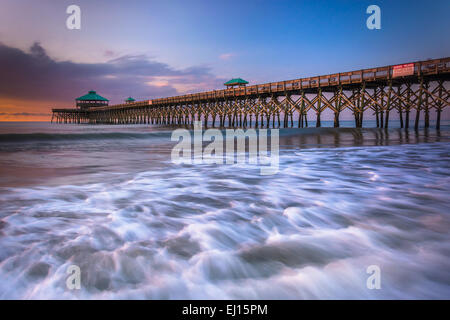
<point>392,134</point>
<point>31,137</point>
<point>224,232</point>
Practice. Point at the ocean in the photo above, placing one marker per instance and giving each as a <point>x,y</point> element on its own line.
<point>109,200</point>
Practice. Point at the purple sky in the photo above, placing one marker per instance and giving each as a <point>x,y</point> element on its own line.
<point>149,49</point>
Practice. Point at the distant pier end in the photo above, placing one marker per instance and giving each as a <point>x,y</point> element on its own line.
<point>418,86</point>
<point>91,100</point>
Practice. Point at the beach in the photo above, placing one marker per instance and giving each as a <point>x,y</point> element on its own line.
<point>109,200</point>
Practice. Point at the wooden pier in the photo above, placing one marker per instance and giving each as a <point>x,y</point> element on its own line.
<point>419,87</point>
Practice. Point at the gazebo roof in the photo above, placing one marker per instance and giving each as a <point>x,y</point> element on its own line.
<point>130,99</point>
<point>235,81</point>
<point>91,96</point>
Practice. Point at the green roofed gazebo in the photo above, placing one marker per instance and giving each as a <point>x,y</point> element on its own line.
<point>92,99</point>
<point>130,100</point>
<point>236,82</point>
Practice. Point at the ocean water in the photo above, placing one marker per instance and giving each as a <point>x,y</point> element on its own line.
<point>109,200</point>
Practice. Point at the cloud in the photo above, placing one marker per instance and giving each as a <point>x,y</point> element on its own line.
<point>226,56</point>
<point>34,75</point>
<point>109,53</point>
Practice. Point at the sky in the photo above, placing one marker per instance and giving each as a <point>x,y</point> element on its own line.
<point>150,49</point>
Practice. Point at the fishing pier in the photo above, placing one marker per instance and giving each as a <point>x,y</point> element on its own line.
<point>418,87</point>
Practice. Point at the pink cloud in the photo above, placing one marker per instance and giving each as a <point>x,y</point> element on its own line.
<point>226,56</point>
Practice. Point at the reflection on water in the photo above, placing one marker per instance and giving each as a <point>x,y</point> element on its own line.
<point>331,137</point>
<point>141,227</point>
